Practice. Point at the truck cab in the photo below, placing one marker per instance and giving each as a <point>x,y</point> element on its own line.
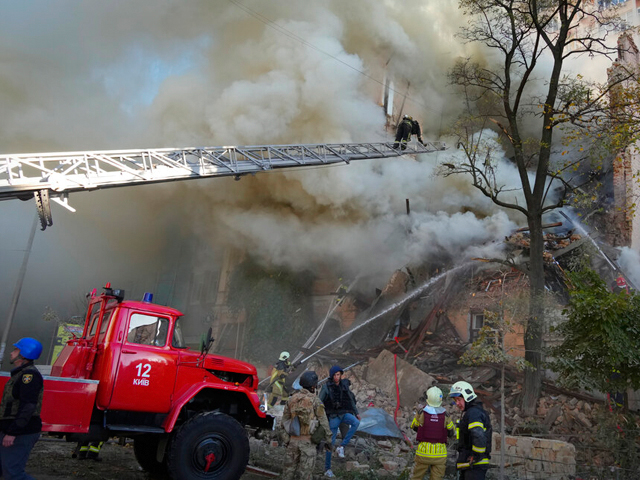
<point>185,409</point>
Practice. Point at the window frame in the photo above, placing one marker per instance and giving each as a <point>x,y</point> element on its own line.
<point>158,323</point>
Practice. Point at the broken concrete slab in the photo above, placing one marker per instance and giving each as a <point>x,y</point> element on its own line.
<point>412,381</point>
<point>374,333</point>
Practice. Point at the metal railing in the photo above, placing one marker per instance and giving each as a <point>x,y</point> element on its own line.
<point>22,175</point>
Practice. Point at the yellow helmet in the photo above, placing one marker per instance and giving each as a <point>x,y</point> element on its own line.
<point>434,397</point>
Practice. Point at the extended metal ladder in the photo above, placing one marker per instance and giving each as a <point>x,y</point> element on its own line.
<point>53,176</point>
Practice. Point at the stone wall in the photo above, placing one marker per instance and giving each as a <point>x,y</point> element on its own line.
<point>529,458</point>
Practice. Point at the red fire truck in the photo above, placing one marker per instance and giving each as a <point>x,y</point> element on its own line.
<point>131,374</point>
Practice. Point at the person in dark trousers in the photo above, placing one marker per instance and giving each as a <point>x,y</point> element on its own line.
<point>340,404</point>
<point>20,422</point>
<point>304,405</point>
<point>88,450</point>
<point>403,133</point>
<point>433,426</point>
<point>417,131</point>
<point>277,389</point>
<point>475,432</point>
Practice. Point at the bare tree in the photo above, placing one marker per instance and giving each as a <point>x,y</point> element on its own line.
<point>521,92</point>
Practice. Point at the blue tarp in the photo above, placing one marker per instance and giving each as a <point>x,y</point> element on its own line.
<point>377,422</point>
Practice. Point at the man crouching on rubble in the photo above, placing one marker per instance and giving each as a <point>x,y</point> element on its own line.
<point>340,404</point>
<point>474,443</point>
<point>431,424</point>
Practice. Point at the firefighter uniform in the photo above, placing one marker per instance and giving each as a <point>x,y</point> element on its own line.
<point>432,425</point>
<point>403,133</point>
<point>475,442</point>
<point>417,131</point>
<point>20,415</point>
<point>278,378</point>
<point>88,450</point>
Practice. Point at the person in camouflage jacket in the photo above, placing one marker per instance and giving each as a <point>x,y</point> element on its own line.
<point>300,457</point>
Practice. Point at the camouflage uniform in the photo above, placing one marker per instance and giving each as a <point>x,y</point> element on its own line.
<point>301,452</point>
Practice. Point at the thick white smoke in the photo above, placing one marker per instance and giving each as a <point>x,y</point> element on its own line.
<point>354,217</point>
<point>104,75</point>
<point>629,261</point>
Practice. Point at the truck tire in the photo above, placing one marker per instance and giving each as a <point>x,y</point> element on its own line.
<point>210,439</point>
<point>145,448</point>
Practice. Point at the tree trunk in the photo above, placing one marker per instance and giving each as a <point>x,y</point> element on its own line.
<point>535,322</point>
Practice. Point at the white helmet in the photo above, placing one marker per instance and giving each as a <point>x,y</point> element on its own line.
<point>284,356</point>
<point>434,397</point>
<point>464,390</point>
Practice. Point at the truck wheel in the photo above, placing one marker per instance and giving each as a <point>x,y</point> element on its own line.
<point>145,448</point>
<point>211,445</point>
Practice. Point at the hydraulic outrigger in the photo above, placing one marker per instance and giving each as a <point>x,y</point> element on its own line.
<point>52,176</point>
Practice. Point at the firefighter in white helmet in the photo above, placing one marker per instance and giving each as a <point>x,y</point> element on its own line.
<point>279,375</point>
<point>433,426</point>
<point>474,444</point>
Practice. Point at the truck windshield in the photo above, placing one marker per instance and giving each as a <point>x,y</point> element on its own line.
<point>178,339</point>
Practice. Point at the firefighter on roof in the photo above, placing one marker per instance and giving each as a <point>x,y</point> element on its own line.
<point>20,422</point>
<point>474,444</point>
<point>279,375</point>
<point>433,426</point>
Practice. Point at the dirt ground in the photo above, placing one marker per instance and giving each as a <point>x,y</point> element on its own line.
<point>51,460</point>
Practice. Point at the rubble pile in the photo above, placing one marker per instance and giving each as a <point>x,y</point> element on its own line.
<point>561,416</point>
<point>553,243</point>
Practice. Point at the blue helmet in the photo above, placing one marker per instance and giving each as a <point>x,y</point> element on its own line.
<point>30,348</point>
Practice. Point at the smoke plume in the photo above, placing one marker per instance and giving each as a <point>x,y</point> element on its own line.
<point>88,76</point>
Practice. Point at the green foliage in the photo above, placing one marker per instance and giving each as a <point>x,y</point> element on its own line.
<point>617,433</point>
<point>601,336</point>
<point>489,347</point>
<point>277,307</point>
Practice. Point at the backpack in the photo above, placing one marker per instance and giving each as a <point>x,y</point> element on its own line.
<point>303,418</point>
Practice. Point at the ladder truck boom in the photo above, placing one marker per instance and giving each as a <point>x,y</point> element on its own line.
<point>45,176</point>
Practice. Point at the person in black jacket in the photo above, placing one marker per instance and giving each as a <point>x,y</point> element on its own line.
<point>20,422</point>
<point>417,131</point>
<point>475,432</point>
<point>340,405</point>
<point>403,132</point>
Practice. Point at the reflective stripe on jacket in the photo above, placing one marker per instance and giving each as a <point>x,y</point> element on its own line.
<point>475,436</point>
<point>431,449</point>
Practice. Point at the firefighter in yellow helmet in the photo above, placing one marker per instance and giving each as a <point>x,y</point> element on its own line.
<point>279,375</point>
<point>474,444</point>
<point>433,426</point>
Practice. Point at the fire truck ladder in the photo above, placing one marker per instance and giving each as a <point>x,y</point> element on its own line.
<point>46,176</point>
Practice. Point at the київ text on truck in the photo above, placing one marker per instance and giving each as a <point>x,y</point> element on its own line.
<point>130,374</point>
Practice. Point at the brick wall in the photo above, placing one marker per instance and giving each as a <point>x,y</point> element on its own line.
<point>529,458</point>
